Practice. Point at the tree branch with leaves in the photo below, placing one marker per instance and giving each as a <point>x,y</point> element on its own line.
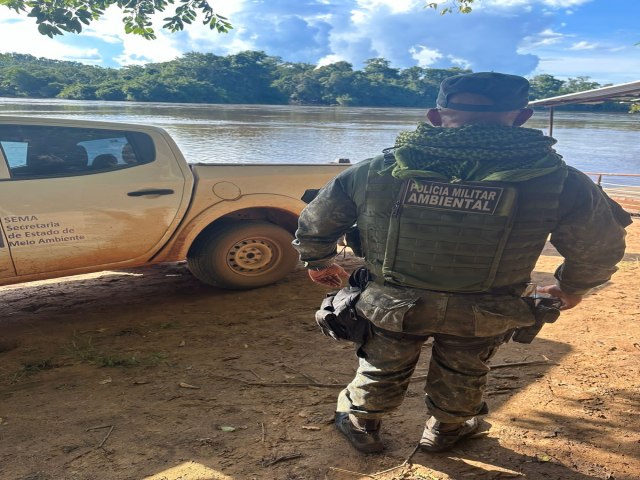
<point>56,17</point>
<point>452,6</point>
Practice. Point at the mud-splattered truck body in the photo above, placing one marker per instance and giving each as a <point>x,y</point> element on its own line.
<point>79,196</point>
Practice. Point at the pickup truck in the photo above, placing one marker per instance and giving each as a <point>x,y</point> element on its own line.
<point>79,196</point>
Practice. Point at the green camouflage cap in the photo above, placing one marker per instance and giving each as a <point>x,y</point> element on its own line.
<point>507,92</point>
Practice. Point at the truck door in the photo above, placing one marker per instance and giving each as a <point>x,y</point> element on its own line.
<point>87,198</point>
<point>6,264</point>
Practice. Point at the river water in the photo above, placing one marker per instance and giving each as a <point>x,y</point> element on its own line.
<point>593,142</point>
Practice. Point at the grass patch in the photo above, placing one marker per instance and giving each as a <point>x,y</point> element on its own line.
<point>157,358</point>
<point>115,361</point>
<point>83,349</point>
<point>39,365</point>
<point>33,367</point>
<point>127,332</point>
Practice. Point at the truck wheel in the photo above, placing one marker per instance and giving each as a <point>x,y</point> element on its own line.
<point>243,255</point>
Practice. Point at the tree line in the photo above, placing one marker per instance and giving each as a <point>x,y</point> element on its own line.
<point>248,77</point>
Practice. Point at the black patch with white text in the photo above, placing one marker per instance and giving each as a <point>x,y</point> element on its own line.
<point>453,196</point>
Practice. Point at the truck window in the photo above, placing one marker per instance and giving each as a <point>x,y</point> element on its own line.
<point>33,151</point>
<point>15,153</point>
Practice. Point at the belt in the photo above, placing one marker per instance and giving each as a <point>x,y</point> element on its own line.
<point>399,335</point>
<point>500,291</point>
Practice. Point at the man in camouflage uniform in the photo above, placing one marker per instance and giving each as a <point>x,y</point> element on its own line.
<point>452,220</point>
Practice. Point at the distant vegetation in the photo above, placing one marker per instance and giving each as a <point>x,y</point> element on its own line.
<point>248,77</point>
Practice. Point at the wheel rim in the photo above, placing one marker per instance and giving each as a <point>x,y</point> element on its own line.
<point>252,256</point>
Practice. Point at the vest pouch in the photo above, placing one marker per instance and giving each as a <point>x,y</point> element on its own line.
<point>496,316</point>
<point>385,306</point>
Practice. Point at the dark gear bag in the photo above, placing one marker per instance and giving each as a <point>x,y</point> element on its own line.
<point>337,317</point>
<point>545,310</point>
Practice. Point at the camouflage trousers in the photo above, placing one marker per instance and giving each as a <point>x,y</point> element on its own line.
<point>455,382</point>
<point>466,330</point>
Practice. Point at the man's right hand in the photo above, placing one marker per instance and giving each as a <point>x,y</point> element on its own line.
<point>569,300</point>
<point>331,276</point>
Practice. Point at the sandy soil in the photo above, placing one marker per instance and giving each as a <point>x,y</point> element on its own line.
<point>148,374</point>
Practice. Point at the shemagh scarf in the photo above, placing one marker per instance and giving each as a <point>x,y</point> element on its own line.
<point>474,153</point>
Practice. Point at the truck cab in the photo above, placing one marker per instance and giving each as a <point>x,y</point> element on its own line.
<point>79,196</point>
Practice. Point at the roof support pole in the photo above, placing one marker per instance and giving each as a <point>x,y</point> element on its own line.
<point>551,110</point>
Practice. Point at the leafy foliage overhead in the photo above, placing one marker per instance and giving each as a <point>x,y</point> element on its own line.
<point>452,6</point>
<point>55,17</point>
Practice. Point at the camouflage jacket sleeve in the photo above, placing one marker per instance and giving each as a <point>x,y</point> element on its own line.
<point>329,216</point>
<point>590,235</point>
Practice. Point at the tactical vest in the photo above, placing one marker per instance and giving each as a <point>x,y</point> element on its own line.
<point>457,237</point>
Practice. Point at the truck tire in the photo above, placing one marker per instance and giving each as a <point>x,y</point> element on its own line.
<point>242,255</point>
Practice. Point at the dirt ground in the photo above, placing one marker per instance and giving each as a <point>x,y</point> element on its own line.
<point>148,374</point>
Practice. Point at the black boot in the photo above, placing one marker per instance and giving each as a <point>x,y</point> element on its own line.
<point>365,437</point>
<point>439,436</point>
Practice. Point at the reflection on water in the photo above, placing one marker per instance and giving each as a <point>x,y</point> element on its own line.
<point>293,134</point>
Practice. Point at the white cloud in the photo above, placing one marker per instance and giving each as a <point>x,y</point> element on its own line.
<point>460,62</point>
<point>198,37</point>
<point>565,3</point>
<point>20,36</point>
<point>137,50</point>
<point>583,46</point>
<point>610,67</point>
<point>134,49</point>
<point>109,28</point>
<point>329,59</point>
<point>545,38</point>
<point>395,6</point>
<point>425,56</point>
<point>520,5</point>
<point>549,33</point>
<point>506,3</point>
<point>557,4</point>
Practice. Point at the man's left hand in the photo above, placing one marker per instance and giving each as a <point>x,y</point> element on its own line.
<point>569,300</point>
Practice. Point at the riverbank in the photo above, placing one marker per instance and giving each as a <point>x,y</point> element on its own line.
<point>149,374</point>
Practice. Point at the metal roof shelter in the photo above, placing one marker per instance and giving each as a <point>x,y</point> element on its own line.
<point>627,195</point>
<point>623,92</point>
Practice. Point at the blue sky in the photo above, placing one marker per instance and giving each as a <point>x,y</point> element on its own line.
<point>564,38</point>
